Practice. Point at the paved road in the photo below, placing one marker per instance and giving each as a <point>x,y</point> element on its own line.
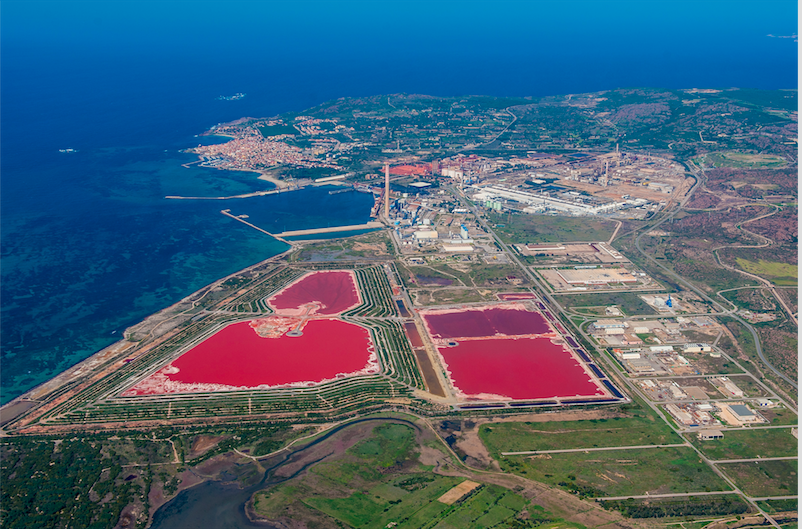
<point>557,308</point>
<point>675,495</point>
<point>754,459</point>
<point>594,449</point>
<point>742,428</point>
<point>758,347</point>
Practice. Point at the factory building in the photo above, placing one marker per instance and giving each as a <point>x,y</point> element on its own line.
<point>727,387</point>
<point>609,324</point>
<point>696,348</point>
<point>710,435</point>
<point>457,248</point>
<point>573,208</point>
<point>422,235</point>
<point>739,414</point>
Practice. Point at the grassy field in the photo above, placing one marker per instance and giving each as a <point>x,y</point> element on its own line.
<point>441,297</point>
<point>706,506</point>
<point>628,302</point>
<point>619,472</point>
<point>748,444</point>
<point>620,431</point>
<point>780,416</point>
<point>708,275</point>
<point>742,160</point>
<point>774,506</point>
<point>373,245</point>
<point>778,273</point>
<point>522,229</point>
<point>461,274</point>
<point>764,478</point>
<point>707,365</point>
<point>378,482</point>
<point>748,386</point>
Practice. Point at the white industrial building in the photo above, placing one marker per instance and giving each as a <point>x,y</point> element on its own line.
<point>426,234</point>
<point>696,348</point>
<point>609,324</point>
<point>728,387</point>
<point>533,200</point>
<point>458,248</point>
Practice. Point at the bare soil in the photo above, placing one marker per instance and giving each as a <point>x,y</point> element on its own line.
<point>204,443</point>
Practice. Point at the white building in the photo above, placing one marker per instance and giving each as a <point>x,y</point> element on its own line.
<point>426,234</point>
<point>696,348</point>
<point>531,199</point>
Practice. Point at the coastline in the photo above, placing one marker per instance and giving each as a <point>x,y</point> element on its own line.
<point>280,184</point>
<point>115,352</point>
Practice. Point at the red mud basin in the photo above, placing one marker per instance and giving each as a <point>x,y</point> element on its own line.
<point>516,368</point>
<point>327,292</point>
<point>511,320</point>
<point>506,352</point>
<point>260,355</point>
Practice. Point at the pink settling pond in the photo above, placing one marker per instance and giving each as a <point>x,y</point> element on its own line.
<point>487,321</point>
<point>332,291</point>
<point>516,368</point>
<point>238,357</point>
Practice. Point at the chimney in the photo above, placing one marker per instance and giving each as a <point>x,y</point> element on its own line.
<point>387,191</point>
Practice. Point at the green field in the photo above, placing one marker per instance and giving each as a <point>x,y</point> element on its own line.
<point>628,302</point>
<point>773,506</point>
<point>706,506</point>
<point>780,416</point>
<point>619,472</point>
<point>457,274</point>
<point>522,228</point>
<point>778,273</point>
<point>748,386</point>
<point>378,482</point>
<point>620,431</point>
<point>764,478</point>
<point>748,444</point>
<point>709,275</point>
<point>442,297</point>
<point>488,507</point>
<point>742,160</point>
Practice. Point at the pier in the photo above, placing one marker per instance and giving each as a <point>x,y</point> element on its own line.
<point>314,231</point>
<point>246,195</point>
<point>227,213</point>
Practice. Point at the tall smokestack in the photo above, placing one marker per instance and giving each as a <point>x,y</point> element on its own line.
<point>387,191</point>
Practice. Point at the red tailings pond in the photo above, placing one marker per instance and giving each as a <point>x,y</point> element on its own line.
<point>297,346</point>
<point>506,352</point>
<point>331,291</point>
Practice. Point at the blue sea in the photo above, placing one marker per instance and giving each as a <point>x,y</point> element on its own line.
<point>90,245</point>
